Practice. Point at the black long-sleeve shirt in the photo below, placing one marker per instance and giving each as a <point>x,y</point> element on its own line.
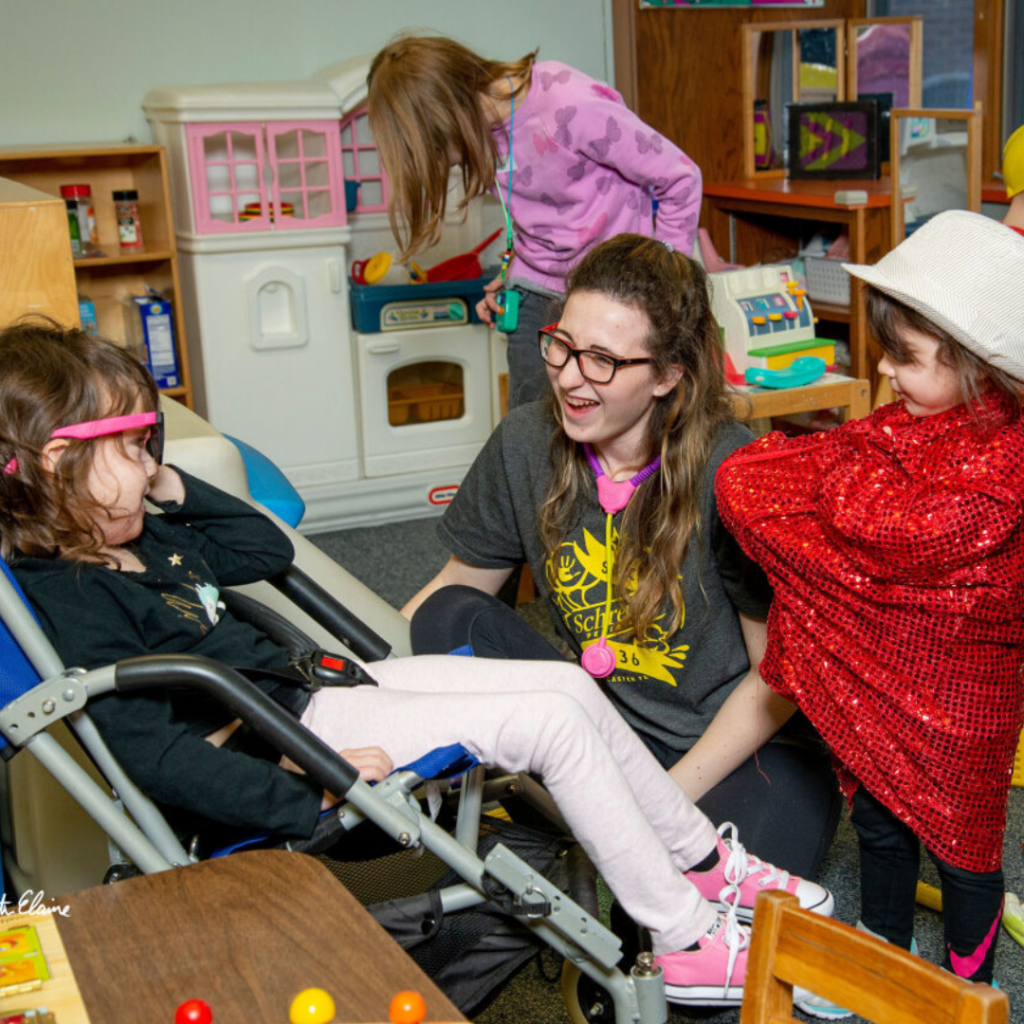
<point>95,616</point>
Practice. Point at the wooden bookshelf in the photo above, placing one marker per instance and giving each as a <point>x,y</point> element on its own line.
<point>111,279</point>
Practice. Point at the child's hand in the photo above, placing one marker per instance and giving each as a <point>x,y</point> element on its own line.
<point>167,486</point>
<point>489,303</point>
<point>372,763</point>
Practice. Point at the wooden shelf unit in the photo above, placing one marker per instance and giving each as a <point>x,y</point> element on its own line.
<point>113,278</point>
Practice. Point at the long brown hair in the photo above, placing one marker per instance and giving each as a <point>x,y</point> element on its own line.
<point>888,318</point>
<point>49,378</point>
<point>664,516</point>
<point>426,115</point>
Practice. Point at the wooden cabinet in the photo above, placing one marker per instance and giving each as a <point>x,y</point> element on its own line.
<point>110,279</point>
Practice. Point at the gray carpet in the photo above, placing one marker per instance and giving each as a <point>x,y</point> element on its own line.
<point>396,560</point>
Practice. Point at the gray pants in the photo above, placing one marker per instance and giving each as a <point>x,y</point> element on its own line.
<point>527,375</point>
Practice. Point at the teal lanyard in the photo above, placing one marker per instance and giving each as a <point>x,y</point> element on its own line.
<point>506,208</point>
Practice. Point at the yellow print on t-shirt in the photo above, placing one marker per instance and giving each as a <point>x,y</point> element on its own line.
<point>186,607</point>
<point>577,575</point>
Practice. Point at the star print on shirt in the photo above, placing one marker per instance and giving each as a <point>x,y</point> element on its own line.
<point>174,559</point>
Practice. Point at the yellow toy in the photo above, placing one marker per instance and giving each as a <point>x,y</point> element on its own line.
<point>1013,163</point>
<point>1013,176</point>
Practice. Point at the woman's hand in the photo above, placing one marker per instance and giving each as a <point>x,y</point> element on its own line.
<point>372,763</point>
<point>489,303</point>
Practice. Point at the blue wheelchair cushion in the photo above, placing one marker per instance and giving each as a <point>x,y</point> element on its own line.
<point>17,676</point>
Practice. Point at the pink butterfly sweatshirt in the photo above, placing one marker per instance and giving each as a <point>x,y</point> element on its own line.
<point>585,168</point>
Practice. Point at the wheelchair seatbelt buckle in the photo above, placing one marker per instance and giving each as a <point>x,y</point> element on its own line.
<point>334,670</point>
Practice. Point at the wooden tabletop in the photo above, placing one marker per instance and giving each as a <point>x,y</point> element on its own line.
<point>246,934</point>
<point>790,192</point>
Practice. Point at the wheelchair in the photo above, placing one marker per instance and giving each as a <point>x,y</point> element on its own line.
<point>37,692</point>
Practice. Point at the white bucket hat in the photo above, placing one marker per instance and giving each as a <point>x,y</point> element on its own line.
<point>965,273</point>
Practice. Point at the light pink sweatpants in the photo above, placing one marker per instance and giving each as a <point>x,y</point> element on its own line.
<point>638,827</point>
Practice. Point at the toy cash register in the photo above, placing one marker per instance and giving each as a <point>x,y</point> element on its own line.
<point>765,319</point>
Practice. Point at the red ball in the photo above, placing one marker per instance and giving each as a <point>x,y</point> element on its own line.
<point>193,1011</point>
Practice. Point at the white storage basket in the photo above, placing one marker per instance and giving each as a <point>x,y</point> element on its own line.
<point>827,281</point>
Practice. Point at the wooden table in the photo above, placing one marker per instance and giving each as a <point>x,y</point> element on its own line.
<point>852,396</point>
<point>753,221</point>
<point>246,934</point>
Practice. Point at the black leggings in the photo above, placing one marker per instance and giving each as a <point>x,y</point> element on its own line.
<point>890,855</point>
<point>784,800</point>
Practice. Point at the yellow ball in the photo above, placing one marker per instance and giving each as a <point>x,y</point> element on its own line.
<point>311,1006</point>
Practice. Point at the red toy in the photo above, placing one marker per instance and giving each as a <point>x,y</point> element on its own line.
<point>464,267</point>
<point>193,1011</point>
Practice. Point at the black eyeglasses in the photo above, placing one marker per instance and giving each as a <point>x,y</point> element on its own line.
<point>597,367</point>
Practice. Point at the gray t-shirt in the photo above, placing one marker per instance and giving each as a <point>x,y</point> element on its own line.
<point>671,687</point>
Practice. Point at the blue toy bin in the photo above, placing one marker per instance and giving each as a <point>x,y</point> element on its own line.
<point>368,300</point>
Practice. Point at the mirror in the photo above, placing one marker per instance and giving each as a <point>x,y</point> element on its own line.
<point>936,165</point>
<point>885,66</point>
<point>885,57</point>
<point>786,62</point>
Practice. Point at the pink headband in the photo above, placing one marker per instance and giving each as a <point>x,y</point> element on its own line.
<point>99,428</point>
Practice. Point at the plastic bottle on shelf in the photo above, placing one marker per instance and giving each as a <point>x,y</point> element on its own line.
<point>129,228</point>
<point>73,228</point>
<point>86,212</point>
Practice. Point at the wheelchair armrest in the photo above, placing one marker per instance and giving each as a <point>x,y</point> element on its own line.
<point>266,718</point>
<point>327,611</point>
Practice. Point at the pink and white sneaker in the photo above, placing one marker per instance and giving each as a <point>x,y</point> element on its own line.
<point>712,975</point>
<point>739,876</point>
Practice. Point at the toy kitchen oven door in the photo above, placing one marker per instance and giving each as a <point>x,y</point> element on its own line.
<point>426,373</point>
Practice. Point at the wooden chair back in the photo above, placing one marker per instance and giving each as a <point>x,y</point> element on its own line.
<point>875,980</point>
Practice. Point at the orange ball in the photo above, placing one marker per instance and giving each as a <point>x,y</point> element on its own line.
<point>407,1008</point>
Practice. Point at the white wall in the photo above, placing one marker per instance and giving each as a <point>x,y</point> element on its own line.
<point>77,70</point>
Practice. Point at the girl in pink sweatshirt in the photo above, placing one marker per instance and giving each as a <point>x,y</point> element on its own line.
<point>571,164</point>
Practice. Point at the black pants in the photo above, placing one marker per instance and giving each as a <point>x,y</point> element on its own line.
<point>972,902</point>
<point>784,801</point>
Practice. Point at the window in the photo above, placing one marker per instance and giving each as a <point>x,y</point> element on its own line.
<point>361,163</point>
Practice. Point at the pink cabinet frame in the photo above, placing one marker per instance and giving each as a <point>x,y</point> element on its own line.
<point>355,141</point>
<point>256,156</point>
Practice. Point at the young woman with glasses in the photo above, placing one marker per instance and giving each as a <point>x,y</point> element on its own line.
<point>606,489</point>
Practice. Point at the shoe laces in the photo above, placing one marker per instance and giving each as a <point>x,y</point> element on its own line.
<point>740,865</point>
<point>737,939</point>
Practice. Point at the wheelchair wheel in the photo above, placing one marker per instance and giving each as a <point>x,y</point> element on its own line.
<point>586,1002</point>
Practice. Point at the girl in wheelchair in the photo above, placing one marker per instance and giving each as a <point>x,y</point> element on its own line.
<point>80,446</point>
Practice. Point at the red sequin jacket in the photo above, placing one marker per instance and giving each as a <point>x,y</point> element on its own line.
<point>896,548</point>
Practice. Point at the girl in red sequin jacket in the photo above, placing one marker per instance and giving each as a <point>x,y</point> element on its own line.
<point>895,546</point>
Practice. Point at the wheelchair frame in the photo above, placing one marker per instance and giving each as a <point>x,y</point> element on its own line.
<point>148,841</point>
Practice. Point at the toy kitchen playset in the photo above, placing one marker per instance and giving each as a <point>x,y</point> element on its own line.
<point>373,399</point>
